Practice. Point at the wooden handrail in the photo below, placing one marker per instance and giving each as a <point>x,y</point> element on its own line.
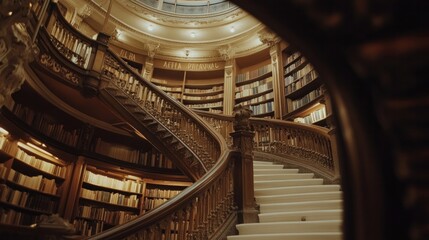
<point>308,144</point>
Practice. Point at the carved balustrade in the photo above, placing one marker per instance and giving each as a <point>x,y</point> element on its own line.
<point>72,44</point>
<point>310,143</point>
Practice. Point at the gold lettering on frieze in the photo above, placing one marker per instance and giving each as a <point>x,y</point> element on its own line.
<point>172,65</point>
<point>191,66</point>
<point>128,55</point>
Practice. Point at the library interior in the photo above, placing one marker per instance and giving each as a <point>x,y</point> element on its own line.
<point>214,120</point>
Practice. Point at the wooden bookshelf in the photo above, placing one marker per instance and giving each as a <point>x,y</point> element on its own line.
<point>254,88</point>
<point>106,198</point>
<point>32,181</point>
<point>303,90</point>
<point>158,192</point>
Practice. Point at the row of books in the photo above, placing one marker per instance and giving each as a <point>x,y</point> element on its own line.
<point>41,164</point>
<point>290,78</point>
<point>301,82</point>
<point>6,145</point>
<point>10,216</point>
<point>161,193</point>
<point>254,84</point>
<point>292,58</point>
<point>259,99</point>
<point>203,90</point>
<point>151,203</point>
<point>113,183</point>
<point>206,97</point>
<point>241,77</point>
<point>262,108</point>
<point>105,215</point>
<point>206,105</point>
<point>47,125</point>
<point>110,197</point>
<point>312,117</point>
<point>38,182</point>
<point>306,99</point>
<point>170,89</point>
<point>131,155</point>
<point>294,65</point>
<point>3,171</point>
<point>27,200</point>
<point>88,228</point>
<point>247,90</point>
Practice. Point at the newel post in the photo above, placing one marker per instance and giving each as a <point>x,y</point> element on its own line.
<point>243,167</point>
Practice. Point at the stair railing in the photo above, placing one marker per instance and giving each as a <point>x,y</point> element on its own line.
<point>308,144</point>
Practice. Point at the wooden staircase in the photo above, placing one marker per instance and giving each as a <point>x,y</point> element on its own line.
<point>293,206</point>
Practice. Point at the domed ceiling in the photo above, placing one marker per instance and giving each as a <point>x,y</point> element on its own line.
<point>173,29</point>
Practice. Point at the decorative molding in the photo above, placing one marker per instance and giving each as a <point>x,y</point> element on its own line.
<point>268,37</point>
<point>152,48</point>
<point>64,73</point>
<point>227,52</point>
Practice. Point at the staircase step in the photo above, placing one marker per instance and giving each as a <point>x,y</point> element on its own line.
<point>285,183</point>
<point>300,197</point>
<point>262,177</point>
<point>267,166</point>
<point>296,189</point>
<point>289,236</point>
<point>260,171</point>
<point>289,227</point>
<point>301,206</point>
<point>312,215</point>
<point>262,162</point>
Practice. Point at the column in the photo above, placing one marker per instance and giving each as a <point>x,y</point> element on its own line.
<point>227,53</point>
<point>273,42</point>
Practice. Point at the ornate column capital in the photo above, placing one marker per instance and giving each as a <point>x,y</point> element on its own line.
<point>268,37</point>
<point>152,48</point>
<point>227,52</point>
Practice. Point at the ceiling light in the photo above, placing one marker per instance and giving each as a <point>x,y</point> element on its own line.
<point>232,29</point>
<point>150,27</point>
<point>9,13</point>
<point>193,34</point>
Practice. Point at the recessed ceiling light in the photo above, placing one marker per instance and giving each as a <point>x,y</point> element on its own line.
<point>150,27</point>
<point>193,34</point>
<point>232,29</point>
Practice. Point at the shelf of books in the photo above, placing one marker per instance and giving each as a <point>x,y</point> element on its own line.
<point>107,199</point>
<point>204,90</point>
<point>303,92</point>
<point>158,192</point>
<point>254,88</point>
<point>170,81</point>
<point>31,181</point>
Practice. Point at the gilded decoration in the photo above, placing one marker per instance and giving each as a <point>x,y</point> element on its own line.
<point>63,72</point>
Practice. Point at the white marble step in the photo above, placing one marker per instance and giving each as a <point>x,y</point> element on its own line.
<point>296,189</point>
<point>289,227</point>
<point>312,215</point>
<point>301,206</point>
<point>267,166</point>
<point>299,197</point>
<point>289,236</point>
<point>261,162</point>
<point>258,184</point>
<point>264,177</point>
<point>265,171</point>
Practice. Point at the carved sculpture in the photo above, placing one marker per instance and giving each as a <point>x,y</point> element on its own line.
<point>241,118</point>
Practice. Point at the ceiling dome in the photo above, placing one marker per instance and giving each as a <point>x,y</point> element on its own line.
<point>191,29</point>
